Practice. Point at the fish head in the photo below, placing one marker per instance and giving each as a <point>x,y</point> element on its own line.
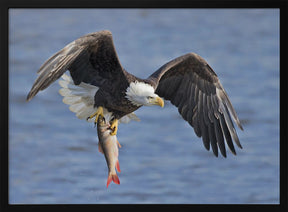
<point>103,128</point>
<point>101,121</point>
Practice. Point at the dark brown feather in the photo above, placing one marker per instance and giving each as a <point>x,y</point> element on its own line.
<point>91,59</point>
<point>192,86</point>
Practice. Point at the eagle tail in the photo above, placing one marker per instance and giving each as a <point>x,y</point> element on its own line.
<point>79,97</point>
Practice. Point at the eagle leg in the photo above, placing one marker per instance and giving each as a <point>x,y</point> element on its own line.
<point>99,112</point>
<point>114,126</point>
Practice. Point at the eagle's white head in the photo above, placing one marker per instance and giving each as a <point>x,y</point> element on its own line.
<point>140,93</point>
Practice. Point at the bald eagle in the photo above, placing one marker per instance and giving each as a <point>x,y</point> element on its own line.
<point>100,86</point>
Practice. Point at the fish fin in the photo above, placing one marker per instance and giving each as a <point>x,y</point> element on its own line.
<point>119,145</point>
<point>113,177</point>
<point>100,148</point>
<point>109,180</point>
<point>118,166</point>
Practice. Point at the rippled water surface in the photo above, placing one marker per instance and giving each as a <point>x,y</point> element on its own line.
<point>53,156</point>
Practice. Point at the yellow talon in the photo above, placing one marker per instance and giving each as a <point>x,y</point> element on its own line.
<point>114,127</point>
<point>99,112</point>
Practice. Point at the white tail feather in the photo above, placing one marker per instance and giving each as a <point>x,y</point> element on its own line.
<point>77,107</point>
<point>83,114</point>
<point>71,99</point>
<point>79,97</point>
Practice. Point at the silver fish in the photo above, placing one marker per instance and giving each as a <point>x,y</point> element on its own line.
<point>108,145</point>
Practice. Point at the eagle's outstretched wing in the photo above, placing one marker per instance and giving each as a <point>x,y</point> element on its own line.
<point>194,88</point>
<point>90,59</point>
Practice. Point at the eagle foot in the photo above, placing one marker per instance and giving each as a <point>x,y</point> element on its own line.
<point>114,127</point>
<point>97,114</point>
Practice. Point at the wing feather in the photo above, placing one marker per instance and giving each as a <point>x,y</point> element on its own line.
<point>192,86</point>
<point>219,137</point>
<point>212,138</point>
<point>91,59</point>
<point>227,135</point>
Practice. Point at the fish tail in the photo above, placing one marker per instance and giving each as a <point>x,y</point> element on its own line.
<point>113,177</point>
<point>118,166</point>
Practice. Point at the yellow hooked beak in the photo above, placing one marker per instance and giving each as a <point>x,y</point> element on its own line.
<point>157,101</point>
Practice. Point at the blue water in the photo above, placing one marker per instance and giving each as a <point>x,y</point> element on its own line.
<point>53,156</point>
